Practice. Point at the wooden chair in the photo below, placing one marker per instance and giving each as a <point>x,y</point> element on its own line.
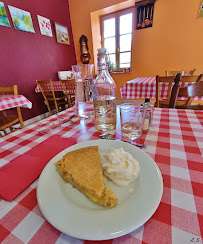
<point>182,72</point>
<point>7,120</point>
<point>69,89</point>
<point>193,90</point>
<point>170,80</point>
<point>50,98</point>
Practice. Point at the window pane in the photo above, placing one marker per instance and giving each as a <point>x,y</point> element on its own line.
<point>126,65</point>
<point>125,57</point>
<point>125,42</point>
<point>126,23</point>
<point>109,27</point>
<point>110,44</point>
<point>112,58</point>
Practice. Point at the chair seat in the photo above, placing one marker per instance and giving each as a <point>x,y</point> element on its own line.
<point>8,121</point>
<point>165,103</point>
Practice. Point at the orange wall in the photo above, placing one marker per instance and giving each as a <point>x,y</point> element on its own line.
<point>174,42</point>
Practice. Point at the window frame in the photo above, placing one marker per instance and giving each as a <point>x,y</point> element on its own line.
<point>116,15</point>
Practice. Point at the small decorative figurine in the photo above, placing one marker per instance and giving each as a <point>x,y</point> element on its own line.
<point>85,56</point>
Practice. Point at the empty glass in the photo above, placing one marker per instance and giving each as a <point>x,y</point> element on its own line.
<point>83,75</point>
<point>47,126</point>
<point>132,120</point>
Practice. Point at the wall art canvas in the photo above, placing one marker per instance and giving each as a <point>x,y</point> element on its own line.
<point>21,19</point>
<point>3,16</point>
<point>62,34</point>
<point>44,25</point>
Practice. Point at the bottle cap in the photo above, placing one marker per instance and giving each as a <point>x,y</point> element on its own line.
<point>101,50</point>
<point>147,100</point>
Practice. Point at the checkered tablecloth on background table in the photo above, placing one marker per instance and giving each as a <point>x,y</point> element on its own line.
<point>143,87</point>
<point>57,86</point>
<point>12,101</point>
<point>175,142</point>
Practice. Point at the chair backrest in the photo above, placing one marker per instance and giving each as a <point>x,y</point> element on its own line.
<point>69,86</point>
<point>170,81</point>
<point>9,90</point>
<point>69,89</point>
<point>65,75</point>
<point>182,72</point>
<point>193,90</point>
<point>47,90</point>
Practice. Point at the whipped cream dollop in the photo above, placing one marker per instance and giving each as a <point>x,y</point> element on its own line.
<point>121,167</point>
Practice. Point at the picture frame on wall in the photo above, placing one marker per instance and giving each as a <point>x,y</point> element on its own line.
<point>4,21</point>
<point>45,26</point>
<point>62,35</point>
<point>22,19</point>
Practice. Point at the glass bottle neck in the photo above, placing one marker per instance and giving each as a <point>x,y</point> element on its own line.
<point>104,70</point>
<point>102,61</point>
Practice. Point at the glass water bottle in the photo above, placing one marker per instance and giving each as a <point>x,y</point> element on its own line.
<point>104,95</point>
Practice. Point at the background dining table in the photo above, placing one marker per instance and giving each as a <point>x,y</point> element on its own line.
<point>142,87</point>
<point>12,101</point>
<point>175,143</point>
<point>57,86</point>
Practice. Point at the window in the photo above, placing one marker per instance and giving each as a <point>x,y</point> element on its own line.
<point>116,30</point>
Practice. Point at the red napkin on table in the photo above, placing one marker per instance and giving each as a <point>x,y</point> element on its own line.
<point>22,171</point>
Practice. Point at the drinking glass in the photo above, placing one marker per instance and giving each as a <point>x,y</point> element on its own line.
<point>132,120</point>
<point>83,75</point>
<point>47,126</point>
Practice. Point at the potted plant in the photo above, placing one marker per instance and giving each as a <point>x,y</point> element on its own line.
<point>111,66</point>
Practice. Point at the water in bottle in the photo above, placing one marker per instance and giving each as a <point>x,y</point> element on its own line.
<point>104,95</point>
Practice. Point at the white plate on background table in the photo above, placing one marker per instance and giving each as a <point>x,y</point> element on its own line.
<point>69,211</point>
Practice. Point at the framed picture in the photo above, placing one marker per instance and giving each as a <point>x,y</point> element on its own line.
<point>21,19</point>
<point>62,34</point>
<point>45,26</point>
<point>3,16</point>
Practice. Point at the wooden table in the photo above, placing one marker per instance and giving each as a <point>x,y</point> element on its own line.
<point>175,142</point>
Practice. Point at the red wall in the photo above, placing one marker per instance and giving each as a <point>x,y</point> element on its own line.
<point>26,57</point>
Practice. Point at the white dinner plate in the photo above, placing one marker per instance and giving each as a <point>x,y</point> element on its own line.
<point>69,211</point>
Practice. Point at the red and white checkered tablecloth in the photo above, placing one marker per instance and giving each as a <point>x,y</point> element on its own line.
<point>57,86</point>
<point>12,101</point>
<point>143,87</point>
<point>175,142</point>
